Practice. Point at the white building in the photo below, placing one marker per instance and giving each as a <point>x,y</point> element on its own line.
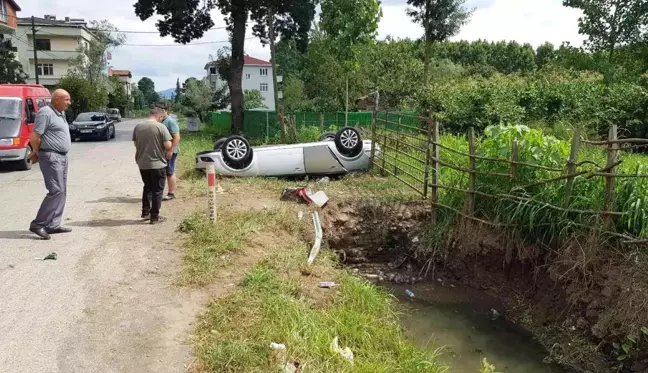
<point>125,77</point>
<point>57,43</point>
<point>257,74</point>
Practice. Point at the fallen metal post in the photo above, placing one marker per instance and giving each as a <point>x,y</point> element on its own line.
<point>318,238</point>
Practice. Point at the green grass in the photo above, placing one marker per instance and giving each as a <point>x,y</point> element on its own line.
<point>235,333</point>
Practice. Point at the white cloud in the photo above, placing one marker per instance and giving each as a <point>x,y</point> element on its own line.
<point>533,21</point>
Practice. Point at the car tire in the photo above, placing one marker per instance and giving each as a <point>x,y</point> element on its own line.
<point>25,164</point>
<point>327,136</point>
<point>218,145</point>
<point>114,133</point>
<point>348,142</point>
<point>237,152</point>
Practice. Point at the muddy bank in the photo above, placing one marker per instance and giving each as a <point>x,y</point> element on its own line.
<point>587,305</point>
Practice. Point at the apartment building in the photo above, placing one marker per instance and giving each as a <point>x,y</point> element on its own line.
<point>57,44</point>
<point>257,74</point>
<point>8,16</point>
<point>125,77</point>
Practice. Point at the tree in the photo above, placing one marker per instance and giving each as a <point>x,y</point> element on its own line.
<point>85,97</point>
<point>189,20</point>
<point>349,23</point>
<point>147,88</point>
<point>289,58</point>
<point>91,62</point>
<point>254,99</point>
<point>178,92</point>
<point>545,54</point>
<point>293,95</point>
<point>198,96</point>
<point>117,97</point>
<point>440,19</point>
<point>11,71</point>
<point>611,23</point>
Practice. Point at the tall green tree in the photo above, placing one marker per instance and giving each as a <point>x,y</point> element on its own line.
<point>178,92</point>
<point>189,20</point>
<point>117,97</point>
<point>254,99</point>
<point>147,88</point>
<point>91,62</point>
<point>609,24</point>
<point>86,96</point>
<point>440,19</point>
<point>198,96</point>
<point>348,24</point>
<point>11,71</point>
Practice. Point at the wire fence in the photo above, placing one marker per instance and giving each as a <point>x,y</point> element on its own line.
<point>413,151</point>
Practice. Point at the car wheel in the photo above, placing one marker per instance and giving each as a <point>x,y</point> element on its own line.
<point>237,152</point>
<point>327,136</point>
<point>25,164</point>
<point>348,141</point>
<point>113,132</point>
<point>219,144</point>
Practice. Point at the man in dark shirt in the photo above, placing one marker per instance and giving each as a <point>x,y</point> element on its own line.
<point>50,142</point>
<point>152,143</point>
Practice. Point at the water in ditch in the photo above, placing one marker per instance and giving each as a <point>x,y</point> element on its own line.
<point>461,321</point>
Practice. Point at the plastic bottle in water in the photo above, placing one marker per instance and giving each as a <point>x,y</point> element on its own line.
<point>409,293</point>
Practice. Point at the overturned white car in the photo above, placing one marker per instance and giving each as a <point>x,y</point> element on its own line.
<point>335,154</point>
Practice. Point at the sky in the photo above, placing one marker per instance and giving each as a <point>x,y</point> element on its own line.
<point>526,21</point>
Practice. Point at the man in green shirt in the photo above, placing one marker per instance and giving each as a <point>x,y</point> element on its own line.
<point>174,129</point>
<point>153,148</point>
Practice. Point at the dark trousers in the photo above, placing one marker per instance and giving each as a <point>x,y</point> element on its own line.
<point>154,181</point>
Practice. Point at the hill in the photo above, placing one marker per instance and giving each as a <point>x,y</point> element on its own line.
<point>167,93</point>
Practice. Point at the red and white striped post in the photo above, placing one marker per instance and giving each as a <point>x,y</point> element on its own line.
<point>211,182</point>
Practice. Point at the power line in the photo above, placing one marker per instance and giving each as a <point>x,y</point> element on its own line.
<point>157,32</point>
<point>177,45</point>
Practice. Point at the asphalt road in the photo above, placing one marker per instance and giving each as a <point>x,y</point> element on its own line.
<point>107,304</point>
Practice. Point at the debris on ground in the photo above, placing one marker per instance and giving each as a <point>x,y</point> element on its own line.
<point>300,215</point>
<point>346,352</point>
<point>219,189</point>
<point>50,256</point>
<point>304,195</point>
<point>327,284</point>
<point>494,314</point>
<point>277,346</point>
<point>317,224</point>
<point>324,179</point>
<point>409,293</point>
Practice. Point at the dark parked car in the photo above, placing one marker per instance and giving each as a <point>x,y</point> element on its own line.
<point>92,125</point>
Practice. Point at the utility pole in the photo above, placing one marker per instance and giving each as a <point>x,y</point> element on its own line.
<point>34,46</point>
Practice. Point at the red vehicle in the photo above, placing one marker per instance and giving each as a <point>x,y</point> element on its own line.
<point>19,104</point>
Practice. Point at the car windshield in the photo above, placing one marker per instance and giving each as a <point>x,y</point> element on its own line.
<point>113,111</point>
<point>90,117</point>
<point>10,115</point>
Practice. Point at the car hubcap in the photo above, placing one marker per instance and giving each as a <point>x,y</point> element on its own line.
<point>349,139</point>
<point>236,149</point>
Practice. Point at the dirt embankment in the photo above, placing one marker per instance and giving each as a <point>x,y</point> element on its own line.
<point>586,304</point>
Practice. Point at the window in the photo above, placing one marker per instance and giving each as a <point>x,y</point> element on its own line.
<point>43,45</point>
<point>3,11</point>
<point>264,71</point>
<point>248,76</point>
<point>212,70</point>
<point>45,69</point>
<point>264,87</point>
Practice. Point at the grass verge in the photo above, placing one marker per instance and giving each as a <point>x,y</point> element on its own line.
<point>280,303</point>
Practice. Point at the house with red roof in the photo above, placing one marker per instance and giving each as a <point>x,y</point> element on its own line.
<point>257,74</point>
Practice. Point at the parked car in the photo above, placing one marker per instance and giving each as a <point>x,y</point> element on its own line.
<point>334,155</point>
<point>114,115</point>
<point>92,125</point>
<point>19,104</point>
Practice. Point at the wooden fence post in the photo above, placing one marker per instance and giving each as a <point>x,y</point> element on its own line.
<point>571,166</point>
<point>398,126</point>
<point>321,122</point>
<point>514,160</point>
<point>610,200</point>
<point>470,202</point>
<point>435,169</point>
<point>427,157</point>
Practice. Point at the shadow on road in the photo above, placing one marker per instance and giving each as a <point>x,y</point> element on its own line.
<point>107,223</point>
<point>117,200</point>
<point>18,235</point>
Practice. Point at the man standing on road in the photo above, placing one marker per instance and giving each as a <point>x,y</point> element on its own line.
<point>172,125</point>
<point>50,142</point>
<point>153,144</point>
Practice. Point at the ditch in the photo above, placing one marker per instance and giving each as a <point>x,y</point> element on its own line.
<point>481,297</point>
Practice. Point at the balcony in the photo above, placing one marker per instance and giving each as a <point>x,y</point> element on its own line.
<point>53,55</point>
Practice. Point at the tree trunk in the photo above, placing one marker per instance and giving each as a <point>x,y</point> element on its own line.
<point>236,70</point>
<point>275,90</point>
<point>426,68</point>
